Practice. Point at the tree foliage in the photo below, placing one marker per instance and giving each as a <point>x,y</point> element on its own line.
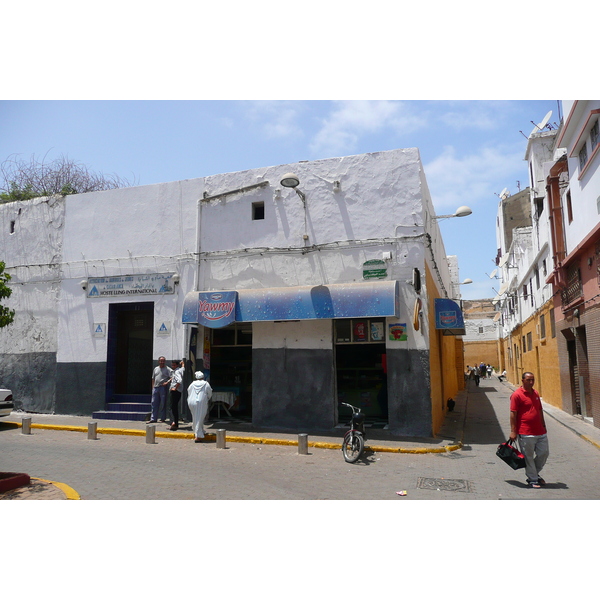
<point>6,315</point>
<point>22,180</point>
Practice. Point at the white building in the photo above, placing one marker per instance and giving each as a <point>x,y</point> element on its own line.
<point>292,298</point>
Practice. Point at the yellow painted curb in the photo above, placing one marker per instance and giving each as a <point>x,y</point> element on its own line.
<point>243,440</point>
<point>587,439</point>
<point>69,492</point>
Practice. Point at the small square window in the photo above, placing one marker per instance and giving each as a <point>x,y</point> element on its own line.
<point>258,211</point>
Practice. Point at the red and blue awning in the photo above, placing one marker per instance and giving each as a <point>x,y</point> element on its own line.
<point>449,317</point>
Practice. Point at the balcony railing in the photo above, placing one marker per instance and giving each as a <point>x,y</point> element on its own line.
<point>574,290</point>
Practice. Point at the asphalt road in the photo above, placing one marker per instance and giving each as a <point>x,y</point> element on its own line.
<point>127,468</point>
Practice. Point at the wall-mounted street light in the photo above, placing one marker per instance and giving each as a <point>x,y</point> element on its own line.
<point>290,180</point>
<point>461,211</point>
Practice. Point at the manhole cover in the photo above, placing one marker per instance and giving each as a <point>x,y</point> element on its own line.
<point>447,485</point>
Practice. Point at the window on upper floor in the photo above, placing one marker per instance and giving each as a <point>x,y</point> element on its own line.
<point>537,278</point>
<point>525,292</point>
<point>258,211</point>
<point>594,135</point>
<point>542,326</point>
<point>569,207</point>
<point>544,268</point>
<point>583,156</point>
<point>529,342</point>
<point>531,291</point>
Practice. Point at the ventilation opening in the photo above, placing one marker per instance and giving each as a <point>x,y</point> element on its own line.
<point>258,211</point>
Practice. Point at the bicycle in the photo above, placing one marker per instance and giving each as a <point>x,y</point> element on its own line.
<point>354,440</point>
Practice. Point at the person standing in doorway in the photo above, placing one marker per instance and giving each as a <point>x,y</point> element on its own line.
<point>199,393</point>
<point>161,377</point>
<point>528,424</point>
<point>175,392</point>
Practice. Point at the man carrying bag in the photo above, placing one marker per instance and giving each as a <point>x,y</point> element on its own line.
<point>528,424</point>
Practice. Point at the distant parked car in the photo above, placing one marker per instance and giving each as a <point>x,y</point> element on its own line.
<point>6,402</point>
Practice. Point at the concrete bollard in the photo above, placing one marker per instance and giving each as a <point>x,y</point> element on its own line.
<point>92,431</point>
<point>221,438</point>
<point>150,434</point>
<point>26,426</point>
<point>302,443</point>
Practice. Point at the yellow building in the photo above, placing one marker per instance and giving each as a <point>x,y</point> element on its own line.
<point>532,346</point>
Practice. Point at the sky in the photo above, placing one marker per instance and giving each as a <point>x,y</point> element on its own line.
<point>471,150</point>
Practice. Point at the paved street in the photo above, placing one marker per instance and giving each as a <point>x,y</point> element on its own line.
<point>125,467</point>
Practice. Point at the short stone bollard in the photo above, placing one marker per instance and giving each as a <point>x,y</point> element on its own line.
<point>150,434</point>
<point>221,438</point>
<point>302,443</point>
<point>26,426</point>
<point>92,431</point>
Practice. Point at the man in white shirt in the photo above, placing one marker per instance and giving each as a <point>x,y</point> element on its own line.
<point>175,391</point>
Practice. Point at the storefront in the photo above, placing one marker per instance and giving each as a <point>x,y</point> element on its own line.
<point>290,353</point>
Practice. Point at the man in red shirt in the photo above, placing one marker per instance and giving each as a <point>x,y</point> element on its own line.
<point>527,422</point>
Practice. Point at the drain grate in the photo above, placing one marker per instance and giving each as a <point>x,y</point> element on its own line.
<point>446,485</point>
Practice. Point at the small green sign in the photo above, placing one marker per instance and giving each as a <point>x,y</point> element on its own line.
<point>374,269</point>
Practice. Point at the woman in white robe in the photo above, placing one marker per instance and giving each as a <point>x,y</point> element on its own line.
<point>199,393</point>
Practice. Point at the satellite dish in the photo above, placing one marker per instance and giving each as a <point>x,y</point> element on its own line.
<point>493,273</point>
<point>542,124</point>
<point>545,120</point>
<point>504,194</point>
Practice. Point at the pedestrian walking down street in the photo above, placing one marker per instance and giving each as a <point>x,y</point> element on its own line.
<point>528,424</point>
<point>199,393</point>
<point>161,377</point>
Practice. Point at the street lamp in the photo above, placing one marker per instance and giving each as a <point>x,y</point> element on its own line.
<point>290,180</point>
<point>461,211</point>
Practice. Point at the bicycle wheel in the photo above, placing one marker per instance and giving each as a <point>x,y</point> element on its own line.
<point>352,447</point>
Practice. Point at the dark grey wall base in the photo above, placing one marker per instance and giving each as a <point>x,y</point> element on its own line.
<point>41,385</point>
<point>409,393</point>
<point>80,388</point>
<point>32,379</point>
<point>293,389</point>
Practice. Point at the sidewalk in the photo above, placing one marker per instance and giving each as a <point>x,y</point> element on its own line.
<point>449,439</point>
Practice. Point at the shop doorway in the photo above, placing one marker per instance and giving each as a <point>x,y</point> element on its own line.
<point>231,365</point>
<point>130,345</point>
<point>361,374</point>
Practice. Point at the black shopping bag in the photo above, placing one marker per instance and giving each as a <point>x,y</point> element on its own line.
<point>508,452</point>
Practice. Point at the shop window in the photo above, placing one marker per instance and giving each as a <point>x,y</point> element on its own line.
<point>359,331</point>
<point>238,334</point>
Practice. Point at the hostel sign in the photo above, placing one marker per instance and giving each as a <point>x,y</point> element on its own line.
<point>131,285</point>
